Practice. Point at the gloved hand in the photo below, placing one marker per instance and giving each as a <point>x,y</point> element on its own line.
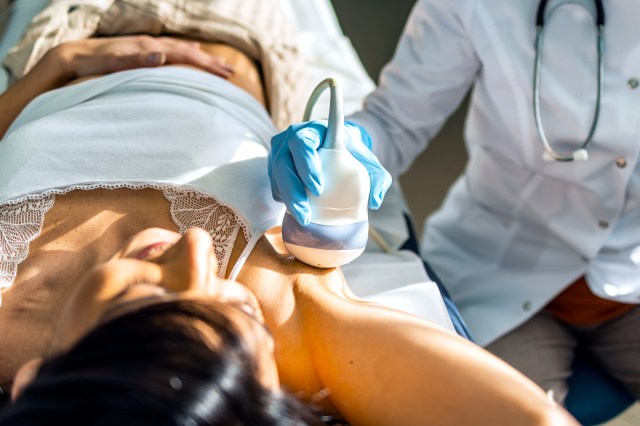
<point>294,165</point>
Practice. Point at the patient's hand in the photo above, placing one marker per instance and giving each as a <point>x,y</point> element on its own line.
<point>98,56</point>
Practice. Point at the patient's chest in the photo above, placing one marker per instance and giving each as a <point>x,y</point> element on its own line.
<point>48,238</point>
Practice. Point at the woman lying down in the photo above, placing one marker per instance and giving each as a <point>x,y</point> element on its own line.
<point>143,281</point>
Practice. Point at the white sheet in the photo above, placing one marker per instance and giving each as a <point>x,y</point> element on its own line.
<point>397,280</point>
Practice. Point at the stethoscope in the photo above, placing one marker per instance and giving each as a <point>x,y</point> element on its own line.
<point>549,153</point>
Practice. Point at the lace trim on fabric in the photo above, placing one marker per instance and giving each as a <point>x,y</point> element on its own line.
<point>20,224</point>
<point>191,209</point>
<point>21,221</point>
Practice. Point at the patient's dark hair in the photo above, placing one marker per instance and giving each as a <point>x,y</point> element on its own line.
<point>153,367</point>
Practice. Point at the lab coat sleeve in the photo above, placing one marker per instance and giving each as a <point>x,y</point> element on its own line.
<point>427,78</point>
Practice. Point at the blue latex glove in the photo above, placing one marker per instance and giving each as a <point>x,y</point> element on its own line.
<point>294,165</point>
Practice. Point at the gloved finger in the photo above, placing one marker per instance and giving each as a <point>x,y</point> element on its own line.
<point>303,143</point>
<point>279,153</point>
<point>378,175</point>
<point>293,194</point>
<point>380,182</point>
<point>286,186</point>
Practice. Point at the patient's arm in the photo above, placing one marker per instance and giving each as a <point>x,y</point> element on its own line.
<point>98,56</point>
<point>379,366</point>
<point>48,74</point>
<point>384,367</point>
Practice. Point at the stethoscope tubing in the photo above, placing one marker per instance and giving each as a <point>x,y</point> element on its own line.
<point>542,6</point>
<point>581,153</point>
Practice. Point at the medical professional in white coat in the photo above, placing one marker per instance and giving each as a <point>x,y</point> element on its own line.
<point>538,242</point>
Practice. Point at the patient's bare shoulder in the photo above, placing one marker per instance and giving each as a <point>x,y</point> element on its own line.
<point>271,260</point>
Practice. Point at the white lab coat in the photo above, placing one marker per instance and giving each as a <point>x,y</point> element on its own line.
<point>515,230</point>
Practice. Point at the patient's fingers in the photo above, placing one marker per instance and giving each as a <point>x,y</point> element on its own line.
<point>189,52</point>
<point>196,57</point>
<point>116,63</point>
<point>106,55</point>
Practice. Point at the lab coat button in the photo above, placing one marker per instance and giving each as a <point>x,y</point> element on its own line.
<point>585,259</point>
<point>526,306</point>
<point>633,83</point>
<point>603,224</point>
<point>621,162</point>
